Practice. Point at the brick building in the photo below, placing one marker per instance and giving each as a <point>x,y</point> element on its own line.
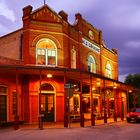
<point>53,68</point>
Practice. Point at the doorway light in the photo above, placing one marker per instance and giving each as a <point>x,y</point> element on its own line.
<point>49,75</point>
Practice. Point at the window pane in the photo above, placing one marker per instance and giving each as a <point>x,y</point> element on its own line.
<point>53,53</point>
<point>42,52</point>
<point>91,64</point>
<point>3,90</point>
<point>38,51</point>
<point>51,60</point>
<point>49,52</point>
<point>41,60</point>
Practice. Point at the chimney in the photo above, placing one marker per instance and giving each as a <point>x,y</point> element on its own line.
<point>27,10</point>
<point>115,50</point>
<point>63,15</point>
<point>78,16</point>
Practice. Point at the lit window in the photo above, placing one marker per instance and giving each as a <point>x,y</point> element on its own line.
<point>108,70</point>
<point>46,52</point>
<point>91,64</point>
<point>73,58</point>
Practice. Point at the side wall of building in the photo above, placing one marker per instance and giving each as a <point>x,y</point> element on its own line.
<point>10,45</point>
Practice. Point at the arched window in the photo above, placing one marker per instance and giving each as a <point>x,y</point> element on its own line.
<point>108,70</point>
<point>46,52</point>
<point>73,58</point>
<point>91,64</point>
<point>47,87</point>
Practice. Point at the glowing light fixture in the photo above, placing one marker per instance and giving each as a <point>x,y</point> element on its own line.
<point>115,86</point>
<point>49,75</point>
<point>98,83</point>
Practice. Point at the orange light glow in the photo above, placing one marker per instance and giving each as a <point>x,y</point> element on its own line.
<point>49,75</point>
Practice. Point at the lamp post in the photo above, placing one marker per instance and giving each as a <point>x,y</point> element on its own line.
<point>40,120</point>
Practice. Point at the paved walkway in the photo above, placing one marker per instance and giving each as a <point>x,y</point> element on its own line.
<point>111,131</point>
<point>71,125</point>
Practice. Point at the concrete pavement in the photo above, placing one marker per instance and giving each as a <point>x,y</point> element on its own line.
<point>111,131</point>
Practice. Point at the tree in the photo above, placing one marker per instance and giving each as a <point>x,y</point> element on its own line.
<point>134,80</point>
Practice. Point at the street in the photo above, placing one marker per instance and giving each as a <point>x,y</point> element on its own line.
<point>112,131</point>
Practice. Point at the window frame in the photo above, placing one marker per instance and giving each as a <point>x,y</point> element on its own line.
<point>91,65</point>
<point>46,52</point>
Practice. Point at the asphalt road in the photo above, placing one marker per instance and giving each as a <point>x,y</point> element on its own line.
<point>114,131</point>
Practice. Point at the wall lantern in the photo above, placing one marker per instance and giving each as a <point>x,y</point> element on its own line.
<point>114,86</point>
<point>98,82</point>
<point>49,75</point>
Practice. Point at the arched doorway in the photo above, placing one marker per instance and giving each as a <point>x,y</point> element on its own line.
<point>48,102</point>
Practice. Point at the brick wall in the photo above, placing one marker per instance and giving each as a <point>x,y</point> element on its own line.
<point>10,45</point>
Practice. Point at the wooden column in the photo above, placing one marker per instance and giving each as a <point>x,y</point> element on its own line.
<point>105,105</point>
<point>81,106</point>
<point>115,105</point>
<point>40,118</point>
<point>66,104</point>
<point>122,106</point>
<point>92,104</point>
<point>16,126</point>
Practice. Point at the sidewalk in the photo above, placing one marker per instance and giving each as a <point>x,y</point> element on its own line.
<point>47,125</point>
<point>101,132</point>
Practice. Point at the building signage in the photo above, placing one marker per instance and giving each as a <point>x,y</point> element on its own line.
<point>90,45</point>
<point>68,85</point>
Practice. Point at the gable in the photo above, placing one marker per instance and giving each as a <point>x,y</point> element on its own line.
<point>45,14</point>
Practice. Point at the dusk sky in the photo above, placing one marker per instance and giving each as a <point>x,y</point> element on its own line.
<point>119,21</point>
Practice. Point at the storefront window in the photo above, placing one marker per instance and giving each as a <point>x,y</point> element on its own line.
<point>75,104</point>
<point>86,104</point>
<point>46,52</point>
<point>91,64</point>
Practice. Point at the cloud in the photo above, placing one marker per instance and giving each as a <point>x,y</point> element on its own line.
<point>124,15</point>
<point>133,44</point>
<point>6,12</point>
<point>122,77</point>
<point>3,29</point>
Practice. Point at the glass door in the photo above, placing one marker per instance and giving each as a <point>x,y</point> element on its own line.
<point>47,107</point>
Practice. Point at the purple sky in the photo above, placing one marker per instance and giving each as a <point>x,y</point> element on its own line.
<point>119,21</point>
